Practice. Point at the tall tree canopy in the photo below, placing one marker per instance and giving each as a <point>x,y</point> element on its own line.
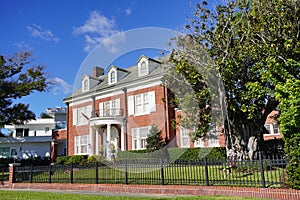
<point>16,81</point>
<point>254,46</point>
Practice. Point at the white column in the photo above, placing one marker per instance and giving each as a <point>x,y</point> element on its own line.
<point>122,138</point>
<point>108,145</point>
<point>97,141</point>
<point>90,141</point>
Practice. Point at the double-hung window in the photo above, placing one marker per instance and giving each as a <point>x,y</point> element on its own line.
<point>273,129</point>
<point>81,144</point>
<point>141,104</point>
<point>185,138</point>
<point>110,108</point>
<point>139,136</point>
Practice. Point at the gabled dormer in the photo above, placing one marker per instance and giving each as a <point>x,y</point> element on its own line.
<point>115,74</point>
<point>146,65</point>
<point>89,82</point>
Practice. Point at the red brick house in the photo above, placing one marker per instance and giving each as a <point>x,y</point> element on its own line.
<point>115,111</point>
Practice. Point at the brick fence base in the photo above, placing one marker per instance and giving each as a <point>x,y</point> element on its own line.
<point>270,193</point>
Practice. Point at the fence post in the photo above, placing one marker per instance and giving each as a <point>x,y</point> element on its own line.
<point>50,173</point>
<point>2,174</point>
<point>126,173</point>
<point>31,175</point>
<point>12,172</point>
<point>206,171</point>
<point>162,171</point>
<point>261,165</point>
<point>97,173</point>
<point>71,173</point>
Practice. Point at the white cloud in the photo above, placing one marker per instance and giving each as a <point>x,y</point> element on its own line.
<point>60,86</point>
<point>38,32</point>
<point>97,29</point>
<point>128,11</point>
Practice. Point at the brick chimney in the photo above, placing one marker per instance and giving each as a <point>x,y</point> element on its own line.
<point>98,71</point>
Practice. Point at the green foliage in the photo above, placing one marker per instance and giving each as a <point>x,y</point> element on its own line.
<point>75,159</point>
<point>154,139</point>
<point>95,158</point>
<point>254,46</point>
<point>62,160</point>
<point>182,154</point>
<point>35,161</point>
<point>16,82</point>
<point>289,96</point>
<point>78,159</point>
<point>45,116</point>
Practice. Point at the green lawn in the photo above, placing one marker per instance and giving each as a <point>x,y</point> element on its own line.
<point>26,195</point>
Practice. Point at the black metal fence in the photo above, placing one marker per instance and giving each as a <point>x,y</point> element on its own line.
<point>269,172</point>
<point>4,176</point>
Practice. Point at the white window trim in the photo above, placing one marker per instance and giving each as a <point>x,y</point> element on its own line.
<point>199,142</point>
<point>85,87</point>
<point>113,109</point>
<point>272,129</point>
<point>77,143</point>
<point>213,138</point>
<point>136,136</point>
<point>81,115</point>
<point>184,135</point>
<point>109,76</point>
<point>141,73</point>
<point>151,104</point>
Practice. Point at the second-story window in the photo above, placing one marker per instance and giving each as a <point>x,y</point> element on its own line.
<point>141,104</point>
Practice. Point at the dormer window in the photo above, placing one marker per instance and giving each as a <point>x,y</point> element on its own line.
<point>143,68</point>
<point>112,76</point>
<point>85,84</point>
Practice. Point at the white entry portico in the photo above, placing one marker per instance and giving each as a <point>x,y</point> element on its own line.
<point>107,136</point>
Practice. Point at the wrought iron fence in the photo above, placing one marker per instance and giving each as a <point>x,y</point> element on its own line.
<point>4,174</point>
<point>269,172</point>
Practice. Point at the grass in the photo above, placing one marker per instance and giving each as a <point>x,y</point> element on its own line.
<point>26,195</point>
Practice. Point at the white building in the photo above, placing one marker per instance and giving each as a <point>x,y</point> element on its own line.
<point>35,137</point>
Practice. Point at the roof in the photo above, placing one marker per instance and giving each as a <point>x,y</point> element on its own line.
<point>35,139</point>
<point>131,77</point>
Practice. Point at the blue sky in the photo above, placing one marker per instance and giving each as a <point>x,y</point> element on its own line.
<point>62,33</point>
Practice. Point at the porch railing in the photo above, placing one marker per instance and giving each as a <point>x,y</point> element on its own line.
<point>113,112</point>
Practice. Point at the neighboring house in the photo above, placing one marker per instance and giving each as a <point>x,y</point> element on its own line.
<point>29,140</point>
<point>214,138</point>
<point>115,111</point>
<point>273,127</point>
<point>35,137</point>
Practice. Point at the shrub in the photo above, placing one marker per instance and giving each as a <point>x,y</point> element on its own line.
<point>173,154</point>
<point>78,159</point>
<point>95,158</point>
<point>62,160</point>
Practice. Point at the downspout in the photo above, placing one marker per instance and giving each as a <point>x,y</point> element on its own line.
<point>126,117</point>
<point>165,114</point>
<point>67,132</point>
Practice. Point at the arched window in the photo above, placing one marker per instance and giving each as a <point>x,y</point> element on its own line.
<point>143,70</point>
<point>113,77</point>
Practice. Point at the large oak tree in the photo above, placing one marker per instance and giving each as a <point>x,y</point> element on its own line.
<point>254,46</point>
<point>19,78</point>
